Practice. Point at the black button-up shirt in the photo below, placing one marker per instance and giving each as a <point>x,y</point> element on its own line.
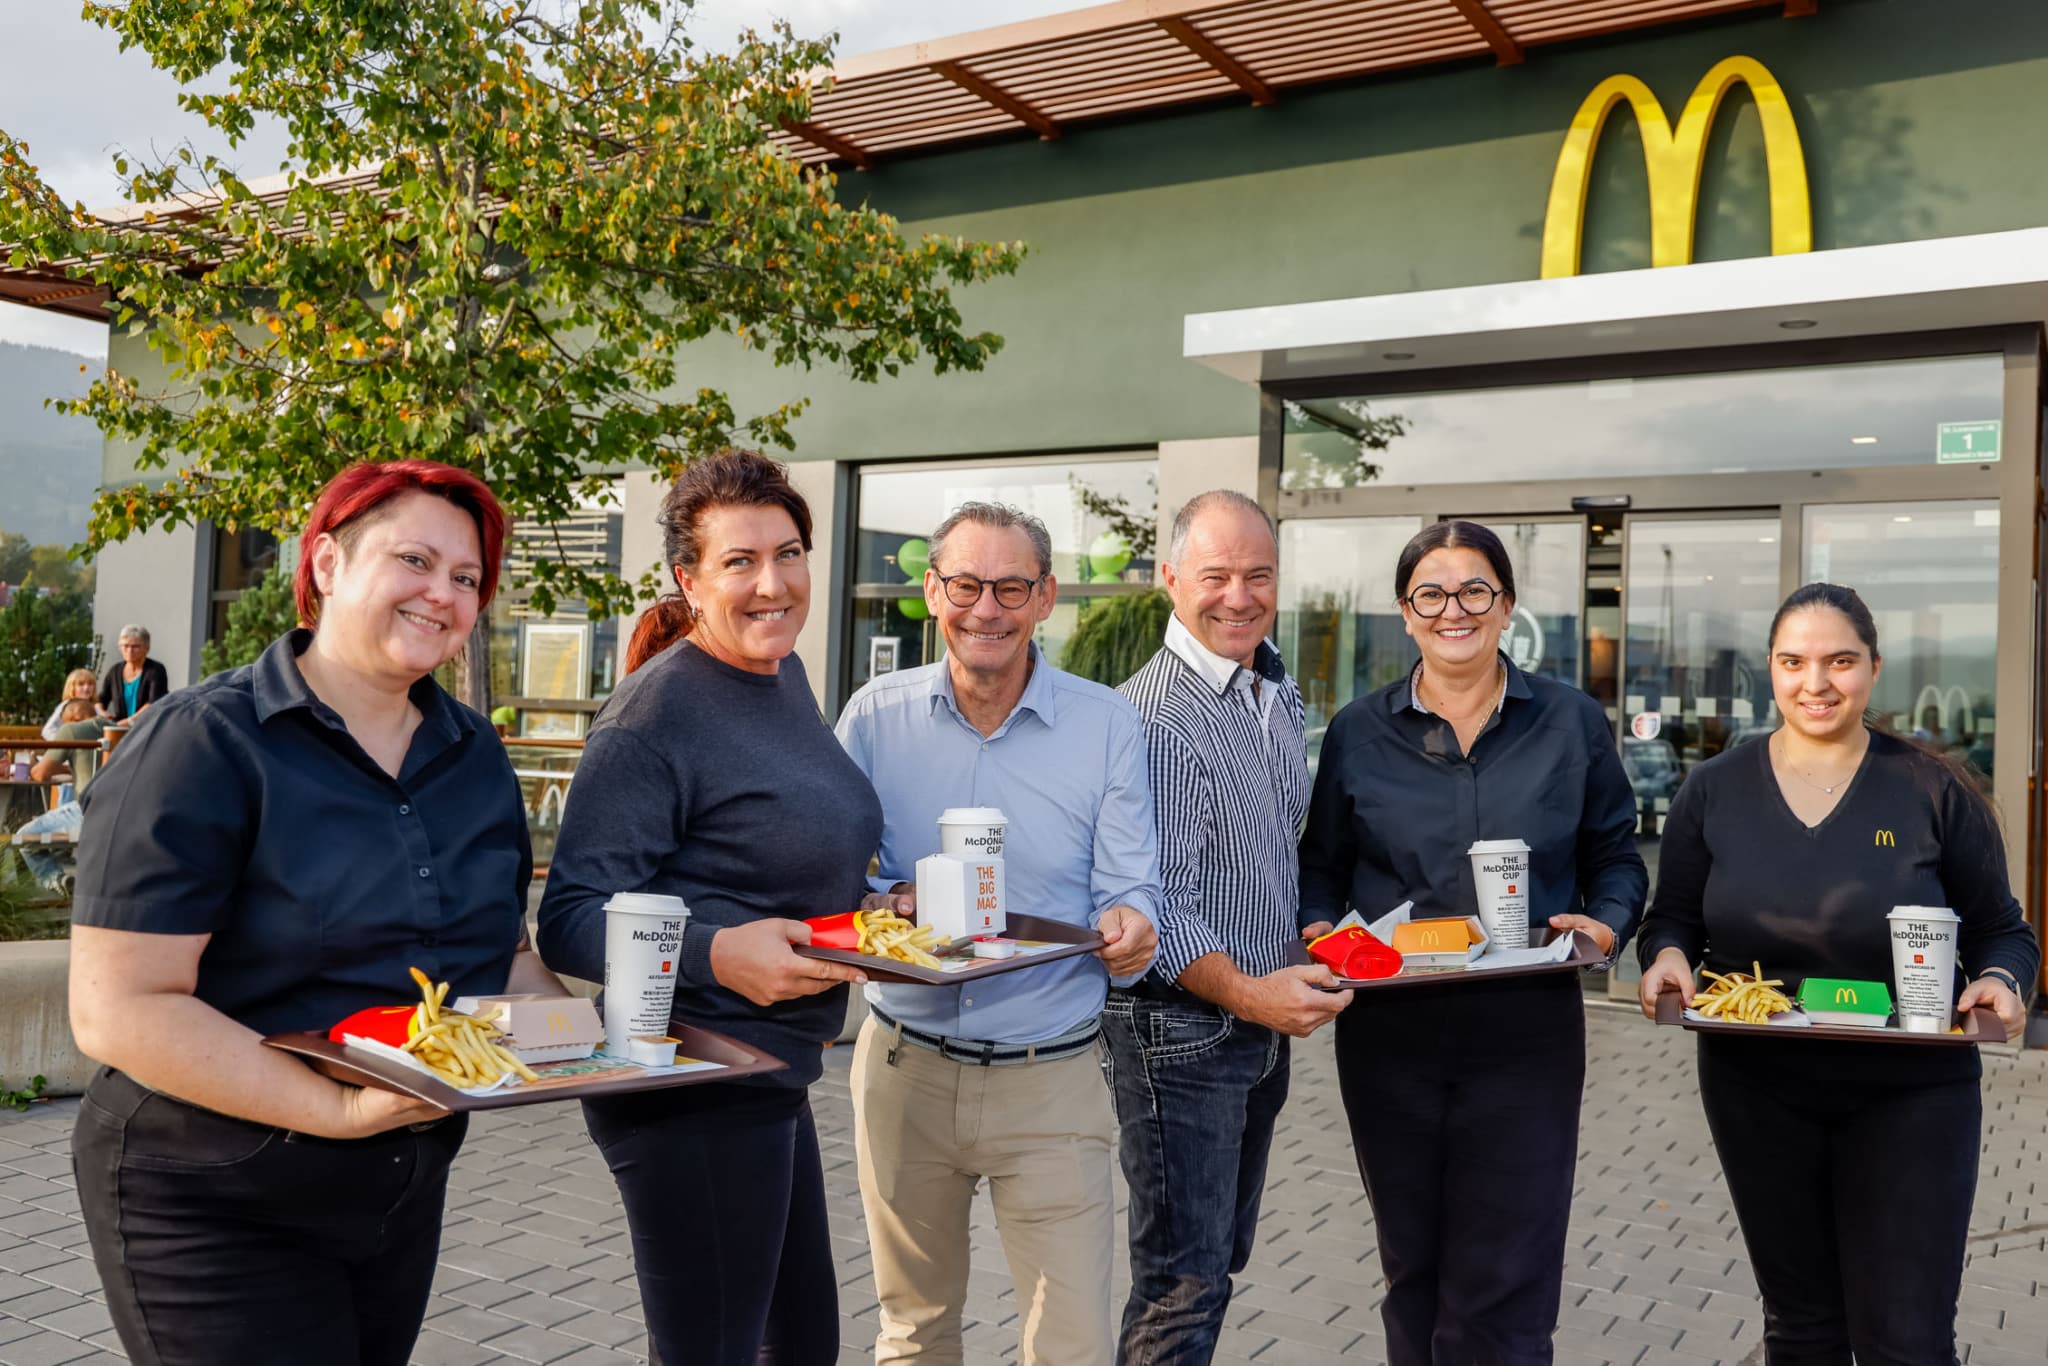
<point>1396,805</point>
<point>242,808</point>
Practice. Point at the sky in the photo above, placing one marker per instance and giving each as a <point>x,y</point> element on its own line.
<point>77,99</point>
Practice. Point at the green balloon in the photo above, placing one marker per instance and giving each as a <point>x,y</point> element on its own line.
<point>1108,556</point>
<point>913,557</point>
<point>913,608</point>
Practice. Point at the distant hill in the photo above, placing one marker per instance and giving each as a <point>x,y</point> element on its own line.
<point>49,463</point>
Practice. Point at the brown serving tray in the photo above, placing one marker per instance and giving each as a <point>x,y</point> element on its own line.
<point>1072,939</point>
<point>359,1068</point>
<point>1981,1026</point>
<point>1585,954</point>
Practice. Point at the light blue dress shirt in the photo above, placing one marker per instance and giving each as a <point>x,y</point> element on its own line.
<point>1067,767</point>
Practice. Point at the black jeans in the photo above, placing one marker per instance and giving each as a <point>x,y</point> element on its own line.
<point>1197,1093</point>
<point>1464,1108</point>
<point>725,1196</point>
<point>1854,1200</point>
<point>218,1240</point>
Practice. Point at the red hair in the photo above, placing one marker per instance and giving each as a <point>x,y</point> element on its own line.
<point>360,494</point>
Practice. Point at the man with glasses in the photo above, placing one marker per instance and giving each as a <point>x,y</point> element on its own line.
<point>1197,1051</point>
<point>997,1079</point>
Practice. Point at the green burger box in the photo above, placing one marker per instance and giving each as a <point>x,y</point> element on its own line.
<point>1840,1001</point>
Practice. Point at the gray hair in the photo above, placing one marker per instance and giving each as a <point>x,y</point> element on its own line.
<point>132,632</point>
<point>1002,517</point>
<point>1184,520</point>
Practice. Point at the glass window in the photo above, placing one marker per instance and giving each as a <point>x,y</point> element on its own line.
<point>1929,574</point>
<point>564,657</point>
<point>1340,629</point>
<point>1804,417</point>
<point>1102,515</point>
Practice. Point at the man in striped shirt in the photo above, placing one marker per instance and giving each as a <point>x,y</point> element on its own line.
<point>1196,1051</point>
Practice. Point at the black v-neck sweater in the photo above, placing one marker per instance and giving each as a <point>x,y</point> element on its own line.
<point>1741,880</point>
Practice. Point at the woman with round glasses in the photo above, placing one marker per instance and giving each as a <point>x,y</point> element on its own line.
<point>1463,1098</point>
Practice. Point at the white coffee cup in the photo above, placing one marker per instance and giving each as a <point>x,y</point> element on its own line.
<point>1500,875</point>
<point>1924,967</point>
<point>972,831</point>
<point>643,941</point>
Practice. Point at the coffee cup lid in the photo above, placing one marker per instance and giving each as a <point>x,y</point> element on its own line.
<point>647,903</point>
<point>972,815</point>
<point>1498,847</point>
<point>1922,913</point>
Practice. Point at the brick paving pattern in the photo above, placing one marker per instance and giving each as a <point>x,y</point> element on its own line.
<point>535,1265</point>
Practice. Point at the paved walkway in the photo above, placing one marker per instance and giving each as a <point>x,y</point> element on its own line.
<point>535,1266</point>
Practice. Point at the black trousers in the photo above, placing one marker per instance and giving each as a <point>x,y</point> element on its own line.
<point>218,1240</point>
<point>725,1196</point>
<point>1464,1110</point>
<point>1854,1198</point>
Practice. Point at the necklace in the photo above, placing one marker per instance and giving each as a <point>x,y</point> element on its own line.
<point>1500,692</point>
<point>1829,788</point>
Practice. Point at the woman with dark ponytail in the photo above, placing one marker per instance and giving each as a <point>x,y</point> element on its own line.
<point>710,775</point>
<point>1852,1166</point>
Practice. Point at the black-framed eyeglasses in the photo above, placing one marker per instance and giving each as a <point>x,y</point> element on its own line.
<point>964,590</point>
<point>1474,595</point>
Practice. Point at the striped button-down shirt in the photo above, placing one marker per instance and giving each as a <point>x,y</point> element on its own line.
<point>1230,787</point>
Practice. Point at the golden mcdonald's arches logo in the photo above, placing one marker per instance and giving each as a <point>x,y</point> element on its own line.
<point>1845,996</point>
<point>1883,839</point>
<point>1431,939</point>
<point>1675,158</point>
<point>558,1022</point>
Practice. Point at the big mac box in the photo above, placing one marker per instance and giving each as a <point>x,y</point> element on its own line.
<point>1439,945</point>
<point>542,1028</point>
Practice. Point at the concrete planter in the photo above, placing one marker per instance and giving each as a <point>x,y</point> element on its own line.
<point>35,1019</point>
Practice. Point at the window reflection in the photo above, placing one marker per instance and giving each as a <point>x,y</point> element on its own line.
<point>1102,516</point>
<point>1800,417</point>
<point>1928,571</point>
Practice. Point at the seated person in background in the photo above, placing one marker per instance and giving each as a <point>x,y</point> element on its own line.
<point>79,685</point>
<point>45,862</point>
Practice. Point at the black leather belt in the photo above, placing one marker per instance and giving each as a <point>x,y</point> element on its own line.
<point>984,1052</point>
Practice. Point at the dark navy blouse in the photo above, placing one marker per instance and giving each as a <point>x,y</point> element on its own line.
<point>1396,805</point>
<point>242,808</point>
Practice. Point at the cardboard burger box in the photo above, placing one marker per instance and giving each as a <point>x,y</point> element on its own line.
<point>543,1028</point>
<point>1440,945</point>
<point>1841,1001</point>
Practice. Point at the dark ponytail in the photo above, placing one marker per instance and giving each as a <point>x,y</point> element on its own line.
<point>728,478</point>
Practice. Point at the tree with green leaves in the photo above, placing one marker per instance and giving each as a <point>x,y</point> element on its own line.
<point>265,610</point>
<point>43,636</point>
<point>17,557</point>
<point>1116,635</point>
<point>502,224</point>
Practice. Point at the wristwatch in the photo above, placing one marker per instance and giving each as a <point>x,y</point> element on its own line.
<point>2005,976</point>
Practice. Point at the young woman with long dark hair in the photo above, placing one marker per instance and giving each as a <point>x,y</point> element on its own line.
<point>1852,1165</point>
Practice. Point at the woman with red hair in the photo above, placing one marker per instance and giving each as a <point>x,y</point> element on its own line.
<point>274,849</point>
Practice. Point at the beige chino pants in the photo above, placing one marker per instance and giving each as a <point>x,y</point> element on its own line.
<point>1043,1134</point>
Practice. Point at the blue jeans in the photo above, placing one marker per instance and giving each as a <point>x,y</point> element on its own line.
<point>46,861</point>
<point>1197,1092</point>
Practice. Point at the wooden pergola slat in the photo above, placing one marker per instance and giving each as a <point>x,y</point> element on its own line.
<point>1195,41</point>
<point>1001,99</point>
<point>1506,51</point>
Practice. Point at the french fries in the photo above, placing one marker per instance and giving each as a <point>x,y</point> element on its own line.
<point>462,1050</point>
<point>886,934</point>
<point>1742,998</point>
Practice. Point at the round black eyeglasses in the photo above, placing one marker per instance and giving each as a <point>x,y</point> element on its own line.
<point>964,590</point>
<point>1474,595</point>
